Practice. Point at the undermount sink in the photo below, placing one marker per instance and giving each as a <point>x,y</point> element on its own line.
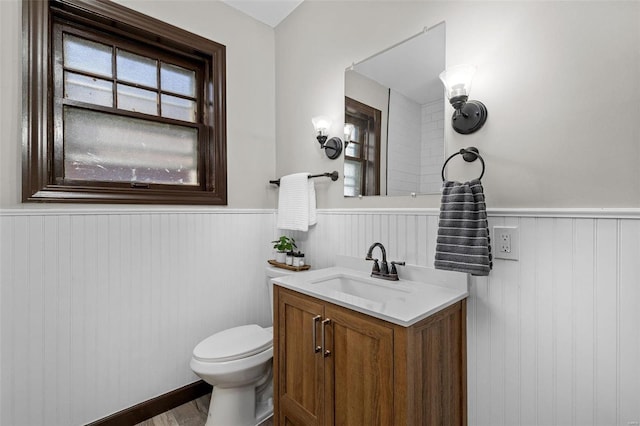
<point>372,289</point>
<point>402,302</point>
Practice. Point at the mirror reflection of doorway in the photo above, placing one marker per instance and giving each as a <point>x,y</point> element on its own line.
<point>362,154</point>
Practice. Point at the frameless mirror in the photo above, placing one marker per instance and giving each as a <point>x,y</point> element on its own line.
<point>395,102</point>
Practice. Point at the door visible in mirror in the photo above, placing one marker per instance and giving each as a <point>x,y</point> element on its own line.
<point>402,84</point>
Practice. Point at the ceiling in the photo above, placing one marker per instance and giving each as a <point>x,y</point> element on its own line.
<point>270,12</point>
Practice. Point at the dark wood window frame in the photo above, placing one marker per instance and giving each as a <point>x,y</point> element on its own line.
<point>369,157</point>
<point>104,17</point>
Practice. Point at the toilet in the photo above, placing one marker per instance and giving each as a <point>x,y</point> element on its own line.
<point>238,363</point>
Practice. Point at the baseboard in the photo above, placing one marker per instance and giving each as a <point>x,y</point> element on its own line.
<point>148,409</point>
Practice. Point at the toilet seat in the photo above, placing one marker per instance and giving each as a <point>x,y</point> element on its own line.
<point>234,343</point>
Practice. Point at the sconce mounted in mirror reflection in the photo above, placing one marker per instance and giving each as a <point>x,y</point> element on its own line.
<point>468,116</point>
<point>333,146</point>
<point>349,130</point>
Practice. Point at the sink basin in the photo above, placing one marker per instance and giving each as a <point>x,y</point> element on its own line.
<point>402,302</point>
<point>373,289</point>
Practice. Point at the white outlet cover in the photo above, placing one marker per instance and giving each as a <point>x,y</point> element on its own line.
<point>514,234</point>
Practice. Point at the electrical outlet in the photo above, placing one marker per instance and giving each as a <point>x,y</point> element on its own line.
<point>505,242</point>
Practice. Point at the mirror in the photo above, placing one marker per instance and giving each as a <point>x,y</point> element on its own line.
<point>395,102</point>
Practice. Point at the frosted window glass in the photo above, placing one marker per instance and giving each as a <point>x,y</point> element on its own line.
<point>138,100</point>
<point>178,80</point>
<point>107,147</point>
<point>178,108</point>
<point>88,89</point>
<point>137,69</point>
<point>84,55</point>
<point>352,178</point>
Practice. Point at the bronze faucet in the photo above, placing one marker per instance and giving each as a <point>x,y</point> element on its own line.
<point>382,270</point>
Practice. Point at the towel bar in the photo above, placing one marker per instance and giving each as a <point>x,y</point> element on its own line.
<point>333,175</point>
<point>468,154</point>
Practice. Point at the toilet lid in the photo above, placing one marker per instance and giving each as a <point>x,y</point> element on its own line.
<point>234,343</point>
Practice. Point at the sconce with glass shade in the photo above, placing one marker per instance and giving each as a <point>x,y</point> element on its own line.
<point>333,146</point>
<point>349,130</point>
<point>469,116</point>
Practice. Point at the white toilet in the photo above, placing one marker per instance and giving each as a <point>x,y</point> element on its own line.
<point>237,362</point>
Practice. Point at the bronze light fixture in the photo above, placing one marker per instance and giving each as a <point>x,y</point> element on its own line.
<point>469,116</point>
<point>333,146</point>
<point>349,131</point>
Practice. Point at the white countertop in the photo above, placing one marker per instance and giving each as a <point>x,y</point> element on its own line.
<point>411,301</point>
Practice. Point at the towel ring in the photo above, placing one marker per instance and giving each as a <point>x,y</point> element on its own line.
<point>469,155</point>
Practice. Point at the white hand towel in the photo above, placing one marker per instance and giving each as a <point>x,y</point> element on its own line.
<point>312,203</point>
<point>296,202</point>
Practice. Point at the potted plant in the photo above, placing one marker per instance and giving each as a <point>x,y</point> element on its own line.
<point>283,245</point>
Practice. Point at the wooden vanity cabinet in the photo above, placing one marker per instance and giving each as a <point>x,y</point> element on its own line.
<point>367,371</point>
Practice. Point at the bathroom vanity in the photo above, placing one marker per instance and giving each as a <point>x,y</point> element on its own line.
<point>352,351</point>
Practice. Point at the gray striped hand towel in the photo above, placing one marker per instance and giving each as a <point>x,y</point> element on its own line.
<point>463,242</point>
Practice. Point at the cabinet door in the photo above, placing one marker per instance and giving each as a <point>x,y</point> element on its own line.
<point>358,369</point>
<point>299,382</point>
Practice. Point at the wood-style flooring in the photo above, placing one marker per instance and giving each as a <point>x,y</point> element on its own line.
<point>193,413</point>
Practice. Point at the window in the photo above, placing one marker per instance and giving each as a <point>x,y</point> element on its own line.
<point>120,107</point>
<point>362,154</point>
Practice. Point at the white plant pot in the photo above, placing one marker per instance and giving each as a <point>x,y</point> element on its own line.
<point>281,256</point>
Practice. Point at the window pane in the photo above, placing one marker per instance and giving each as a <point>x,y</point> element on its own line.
<point>352,178</point>
<point>88,89</point>
<point>137,69</point>
<point>178,80</point>
<point>85,55</point>
<point>178,108</point>
<point>138,100</point>
<point>106,147</point>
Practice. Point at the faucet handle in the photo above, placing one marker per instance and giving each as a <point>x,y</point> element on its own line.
<point>376,267</point>
<point>393,266</point>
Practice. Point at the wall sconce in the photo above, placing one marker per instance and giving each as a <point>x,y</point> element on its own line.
<point>333,146</point>
<point>468,116</point>
<point>349,130</point>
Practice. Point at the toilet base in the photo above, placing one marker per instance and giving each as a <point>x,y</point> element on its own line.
<point>229,406</point>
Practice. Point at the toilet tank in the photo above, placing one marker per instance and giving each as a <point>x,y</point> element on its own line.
<point>273,272</point>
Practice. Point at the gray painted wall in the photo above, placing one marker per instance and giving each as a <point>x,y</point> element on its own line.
<point>559,79</point>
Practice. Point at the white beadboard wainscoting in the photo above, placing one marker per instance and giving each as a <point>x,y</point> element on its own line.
<point>100,311</point>
<point>554,338</point>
